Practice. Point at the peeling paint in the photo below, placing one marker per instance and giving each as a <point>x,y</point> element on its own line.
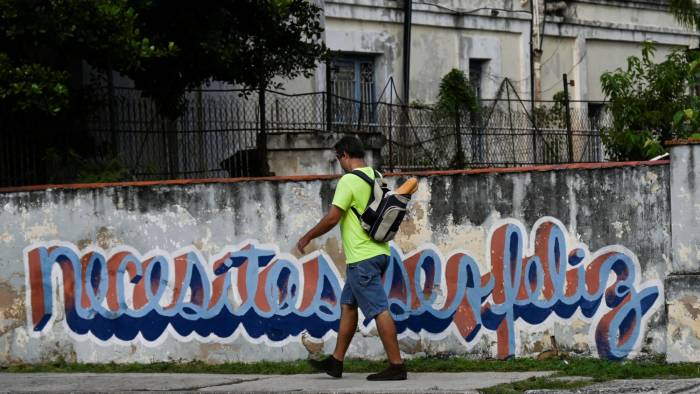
<point>6,238</point>
<point>12,309</point>
<point>684,322</point>
<point>620,228</point>
<point>684,252</point>
<point>41,231</point>
<point>691,305</point>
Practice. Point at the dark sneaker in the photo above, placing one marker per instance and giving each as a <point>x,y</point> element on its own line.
<point>392,372</point>
<point>329,365</point>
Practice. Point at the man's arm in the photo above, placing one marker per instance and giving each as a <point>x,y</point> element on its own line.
<point>324,225</point>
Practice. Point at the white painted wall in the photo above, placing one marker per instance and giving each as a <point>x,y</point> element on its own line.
<point>604,56</point>
<point>589,38</point>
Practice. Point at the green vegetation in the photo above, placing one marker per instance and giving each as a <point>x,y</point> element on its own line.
<point>456,98</point>
<point>71,166</point>
<point>57,59</point>
<point>686,12</point>
<point>43,42</point>
<point>650,103</point>
<point>597,369</point>
<point>242,42</point>
<point>165,47</point>
<point>553,116</point>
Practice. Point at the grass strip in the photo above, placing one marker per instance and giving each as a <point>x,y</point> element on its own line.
<point>595,368</point>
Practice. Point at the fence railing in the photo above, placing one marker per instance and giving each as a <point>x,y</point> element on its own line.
<point>499,134</point>
<point>218,134</point>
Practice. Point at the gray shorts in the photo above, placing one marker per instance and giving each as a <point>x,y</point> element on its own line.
<point>364,287</point>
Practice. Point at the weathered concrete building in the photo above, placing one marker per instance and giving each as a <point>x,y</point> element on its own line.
<point>490,40</point>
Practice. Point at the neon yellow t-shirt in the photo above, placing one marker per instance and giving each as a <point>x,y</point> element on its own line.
<point>352,191</point>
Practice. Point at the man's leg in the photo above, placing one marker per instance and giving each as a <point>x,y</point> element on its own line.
<point>365,280</point>
<point>348,326</point>
<point>387,333</point>
<point>333,364</point>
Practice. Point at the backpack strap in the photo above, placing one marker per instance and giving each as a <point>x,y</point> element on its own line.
<point>378,175</point>
<point>364,176</point>
<point>357,213</point>
<point>369,181</point>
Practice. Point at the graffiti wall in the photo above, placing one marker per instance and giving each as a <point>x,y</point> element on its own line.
<point>488,265</point>
<point>266,296</point>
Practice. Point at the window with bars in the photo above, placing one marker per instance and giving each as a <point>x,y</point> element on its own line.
<point>476,69</point>
<point>352,84</point>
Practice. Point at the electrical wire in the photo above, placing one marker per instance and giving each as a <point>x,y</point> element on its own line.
<point>458,13</point>
<point>495,77</point>
<point>436,5</point>
<point>551,87</point>
<point>553,53</point>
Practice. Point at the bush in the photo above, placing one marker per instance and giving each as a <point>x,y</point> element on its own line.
<point>70,167</point>
<point>644,102</point>
<point>457,102</point>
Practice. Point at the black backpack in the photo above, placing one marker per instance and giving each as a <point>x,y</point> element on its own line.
<point>385,209</point>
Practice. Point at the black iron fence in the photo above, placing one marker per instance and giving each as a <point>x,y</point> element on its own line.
<point>500,134</point>
<point>220,134</point>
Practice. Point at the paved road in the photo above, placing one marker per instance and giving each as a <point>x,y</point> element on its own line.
<point>313,383</point>
<point>647,386</point>
<point>466,382</point>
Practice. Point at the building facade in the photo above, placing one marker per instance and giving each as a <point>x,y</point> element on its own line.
<point>490,40</point>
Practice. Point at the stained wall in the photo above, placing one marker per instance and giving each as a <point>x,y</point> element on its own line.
<point>489,263</point>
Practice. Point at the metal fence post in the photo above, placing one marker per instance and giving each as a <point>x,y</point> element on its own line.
<point>533,116</point>
<point>510,126</point>
<point>403,151</point>
<point>202,137</point>
<point>458,135</point>
<point>112,116</point>
<point>359,117</point>
<point>329,99</point>
<point>391,129</point>
<point>262,136</point>
<point>170,136</point>
<point>569,134</point>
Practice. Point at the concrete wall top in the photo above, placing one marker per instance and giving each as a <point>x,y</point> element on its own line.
<point>686,141</point>
<point>303,178</point>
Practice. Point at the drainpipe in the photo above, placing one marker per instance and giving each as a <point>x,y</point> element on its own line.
<point>532,81</point>
<point>407,9</point>
<point>532,56</point>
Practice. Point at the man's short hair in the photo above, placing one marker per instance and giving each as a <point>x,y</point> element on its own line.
<point>350,145</point>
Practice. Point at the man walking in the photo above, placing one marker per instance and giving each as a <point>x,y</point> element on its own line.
<point>366,262</point>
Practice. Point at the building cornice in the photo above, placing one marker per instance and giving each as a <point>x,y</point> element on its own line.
<point>516,23</point>
<point>656,5</point>
<point>556,26</point>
